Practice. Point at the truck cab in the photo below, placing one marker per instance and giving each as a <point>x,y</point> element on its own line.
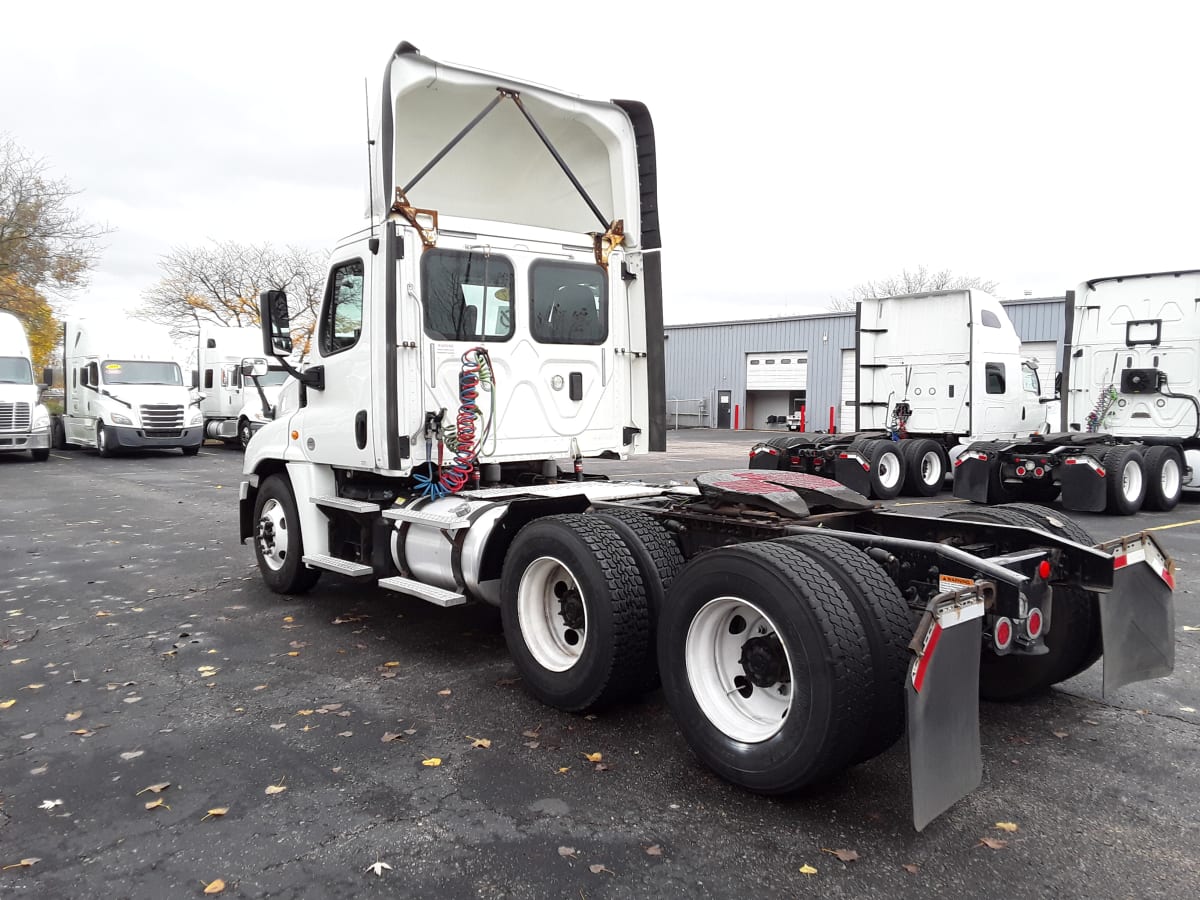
<point>24,421</point>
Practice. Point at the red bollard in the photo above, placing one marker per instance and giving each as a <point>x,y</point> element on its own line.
<point>832,420</point>
<point>802,419</point>
<point>736,409</point>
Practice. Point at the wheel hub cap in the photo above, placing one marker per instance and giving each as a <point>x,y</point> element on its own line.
<point>763,661</point>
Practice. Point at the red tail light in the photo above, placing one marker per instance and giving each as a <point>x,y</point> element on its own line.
<point>1034,623</point>
<point>1002,633</point>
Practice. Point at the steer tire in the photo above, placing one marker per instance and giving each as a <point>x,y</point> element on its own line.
<point>103,440</point>
<point>1164,478</point>
<point>1068,640</point>
<point>1054,522</point>
<point>1121,464</point>
<point>574,611</point>
<point>275,505</point>
<point>888,622</point>
<point>924,467</point>
<point>658,560</point>
<point>810,628</point>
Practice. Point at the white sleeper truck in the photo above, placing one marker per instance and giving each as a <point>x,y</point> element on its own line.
<point>1129,436</point>
<point>124,389</point>
<point>235,402</point>
<point>500,311</point>
<point>934,372</point>
<point>24,421</point>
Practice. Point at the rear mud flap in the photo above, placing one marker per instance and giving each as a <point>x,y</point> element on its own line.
<point>942,691</point>
<point>1137,616</point>
<point>971,477</point>
<point>1083,488</point>
<point>851,473</point>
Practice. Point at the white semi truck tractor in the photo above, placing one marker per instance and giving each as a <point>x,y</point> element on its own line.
<point>501,310</point>
<point>235,401</point>
<point>24,421</point>
<point>1129,436</point>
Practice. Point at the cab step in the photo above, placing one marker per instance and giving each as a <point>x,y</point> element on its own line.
<point>435,595</point>
<point>443,521</point>
<point>334,564</point>
<point>347,504</point>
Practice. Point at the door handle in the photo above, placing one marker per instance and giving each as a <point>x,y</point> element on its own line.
<point>360,429</point>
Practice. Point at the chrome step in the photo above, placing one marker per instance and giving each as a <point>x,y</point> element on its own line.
<point>428,592</point>
<point>333,564</point>
<point>443,521</point>
<point>354,506</point>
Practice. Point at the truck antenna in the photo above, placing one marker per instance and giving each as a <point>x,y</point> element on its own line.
<point>373,243</point>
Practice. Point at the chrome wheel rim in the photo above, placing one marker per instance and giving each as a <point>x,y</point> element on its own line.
<point>744,688</point>
<point>272,535</point>
<point>552,614</point>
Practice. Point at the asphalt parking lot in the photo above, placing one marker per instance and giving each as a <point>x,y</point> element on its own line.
<point>141,650</point>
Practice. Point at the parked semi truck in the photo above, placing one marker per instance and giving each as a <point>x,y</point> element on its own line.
<point>235,402</point>
<point>1129,435</point>
<point>501,311</point>
<point>935,372</point>
<point>124,390</point>
<point>24,421</point>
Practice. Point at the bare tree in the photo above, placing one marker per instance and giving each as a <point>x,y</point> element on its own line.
<point>45,245</point>
<point>219,285</point>
<point>914,282</point>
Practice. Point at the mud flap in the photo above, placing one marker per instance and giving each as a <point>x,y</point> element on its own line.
<point>1137,617</point>
<point>971,477</point>
<point>942,691</point>
<point>848,469</point>
<point>1083,488</point>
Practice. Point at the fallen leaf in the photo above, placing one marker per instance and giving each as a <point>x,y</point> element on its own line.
<point>279,725</point>
<point>215,813</point>
<point>597,868</point>
<point>155,804</point>
<point>154,788</point>
<point>1187,709</point>
<point>293,653</point>
<point>49,804</point>
<point>533,745</point>
<point>444,693</point>
<point>23,864</point>
<point>40,770</point>
<point>7,704</point>
<point>131,699</point>
<point>601,767</point>
<point>328,708</point>
<point>654,850</point>
<point>83,732</point>
<point>432,762</point>
<point>1191,628</point>
<point>33,687</point>
<point>1060,734</point>
<point>305,712</point>
<point>563,770</point>
<point>480,743</point>
<point>911,868</point>
<point>593,757</point>
<point>289,619</point>
<point>298,645</point>
<point>568,852</point>
<point>260,687</point>
<point>389,736</point>
<point>102,614</point>
<point>387,674</point>
<point>1010,827</point>
<point>345,734</point>
<point>1090,722</point>
<point>806,869</point>
<point>72,716</point>
<point>992,843</point>
<point>845,856</point>
<point>214,887</point>
<point>406,730</point>
<point>379,868</point>
<point>535,732</point>
<point>391,665</point>
<point>131,754</point>
<point>273,789</point>
<point>17,662</point>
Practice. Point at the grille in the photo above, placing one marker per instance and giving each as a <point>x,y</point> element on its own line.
<point>162,417</point>
<point>15,417</point>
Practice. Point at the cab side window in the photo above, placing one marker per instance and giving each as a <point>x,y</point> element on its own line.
<point>342,317</point>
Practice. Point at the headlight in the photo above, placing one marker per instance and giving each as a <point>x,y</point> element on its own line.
<point>196,418</point>
<point>118,419</point>
<point>41,419</point>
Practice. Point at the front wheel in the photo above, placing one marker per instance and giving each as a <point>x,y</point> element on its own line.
<point>574,610</point>
<point>192,450</point>
<point>244,433</point>
<point>40,455</point>
<point>103,440</point>
<point>278,545</point>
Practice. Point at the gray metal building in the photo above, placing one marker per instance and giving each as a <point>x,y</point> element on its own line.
<point>752,374</point>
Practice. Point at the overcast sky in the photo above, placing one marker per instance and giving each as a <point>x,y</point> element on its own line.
<point>802,148</point>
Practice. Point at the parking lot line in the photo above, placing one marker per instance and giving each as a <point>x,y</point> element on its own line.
<point>1173,525</point>
<point>56,456</point>
<point>928,502</point>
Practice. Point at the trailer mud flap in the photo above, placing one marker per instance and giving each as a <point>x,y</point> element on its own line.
<point>1137,617</point>
<point>1083,486</point>
<point>971,478</point>
<point>945,762</point>
<point>853,471</point>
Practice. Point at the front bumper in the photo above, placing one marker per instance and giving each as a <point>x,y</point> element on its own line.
<point>33,440</point>
<point>127,438</point>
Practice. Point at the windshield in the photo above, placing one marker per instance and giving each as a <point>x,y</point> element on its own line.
<point>272,378</point>
<point>15,370</point>
<point>121,371</point>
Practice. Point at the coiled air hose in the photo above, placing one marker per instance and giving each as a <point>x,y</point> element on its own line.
<point>476,367</point>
